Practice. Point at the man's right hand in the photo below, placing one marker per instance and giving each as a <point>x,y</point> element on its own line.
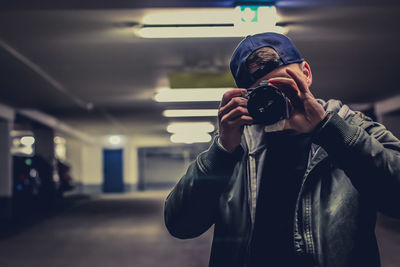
<point>232,115</point>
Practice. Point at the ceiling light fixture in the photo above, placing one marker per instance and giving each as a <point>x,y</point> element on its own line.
<point>209,22</point>
<point>114,140</point>
<point>27,140</point>
<point>188,16</point>
<point>190,128</point>
<point>190,132</point>
<point>198,138</point>
<point>190,94</point>
<point>190,113</point>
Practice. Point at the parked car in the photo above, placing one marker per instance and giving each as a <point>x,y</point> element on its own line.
<point>34,186</point>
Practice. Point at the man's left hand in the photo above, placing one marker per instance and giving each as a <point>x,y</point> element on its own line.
<point>306,112</point>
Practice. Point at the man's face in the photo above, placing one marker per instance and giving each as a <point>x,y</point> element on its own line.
<point>278,72</point>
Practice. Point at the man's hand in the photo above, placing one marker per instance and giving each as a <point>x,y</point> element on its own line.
<point>307,112</point>
<point>232,115</point>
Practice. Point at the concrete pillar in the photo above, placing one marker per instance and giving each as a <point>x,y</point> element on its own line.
<point>44,151</point>
<point>6,182</point>
<point>44,142</point>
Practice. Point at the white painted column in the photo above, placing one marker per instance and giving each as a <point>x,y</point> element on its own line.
<point>74,159</point>
<point>5,159</point>
<point>6,124</point>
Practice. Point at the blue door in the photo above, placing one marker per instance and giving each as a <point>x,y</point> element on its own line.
<point>113,170</point>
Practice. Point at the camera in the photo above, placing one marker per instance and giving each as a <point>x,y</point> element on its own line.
<point>266,104</point>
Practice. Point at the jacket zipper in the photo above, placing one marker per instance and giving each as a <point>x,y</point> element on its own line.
<point>251,212</point>
<point>306,231</point>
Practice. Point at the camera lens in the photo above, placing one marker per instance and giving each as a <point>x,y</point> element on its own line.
<point>267,105</point>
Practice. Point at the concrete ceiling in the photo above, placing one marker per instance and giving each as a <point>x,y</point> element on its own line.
<point>67,57</point>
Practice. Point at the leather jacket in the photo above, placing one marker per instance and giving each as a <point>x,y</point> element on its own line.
<point>353,172</point>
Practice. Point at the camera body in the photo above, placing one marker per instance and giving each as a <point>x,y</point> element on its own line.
<point>266,104</point>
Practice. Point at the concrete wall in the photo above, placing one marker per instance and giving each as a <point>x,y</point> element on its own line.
<point>86,165</point>
<point>87,160</point>
<point>74,158</point>
<point>92,164</point>
<point>130,166</point>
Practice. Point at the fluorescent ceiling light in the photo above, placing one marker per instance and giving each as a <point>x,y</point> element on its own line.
<point>190,128</point>
<point>209,22</point>
<point>190,112</point>
<point>199,138</point>
<point>184,32</point>
<point>28,150</point>
<point>27,140</point>
<point>59,140</point>
<point>189,16</point>
<point>190,94</point>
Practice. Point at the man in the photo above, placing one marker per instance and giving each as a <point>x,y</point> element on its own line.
<point>302,193</point>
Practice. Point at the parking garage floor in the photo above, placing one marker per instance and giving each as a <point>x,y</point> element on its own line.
<point>108,230</point>
<point>126,230</point>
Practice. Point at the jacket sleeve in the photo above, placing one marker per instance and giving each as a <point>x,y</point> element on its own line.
<point>369,154</point>
<point>191,207</point>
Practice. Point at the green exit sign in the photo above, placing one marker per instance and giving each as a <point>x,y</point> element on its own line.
<point>255,14</point>
<point>248,14</point>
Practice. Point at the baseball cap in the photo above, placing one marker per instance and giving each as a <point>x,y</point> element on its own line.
<point>286,50</point>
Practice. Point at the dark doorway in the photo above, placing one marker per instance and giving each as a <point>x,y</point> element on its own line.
<point>113,171</point>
